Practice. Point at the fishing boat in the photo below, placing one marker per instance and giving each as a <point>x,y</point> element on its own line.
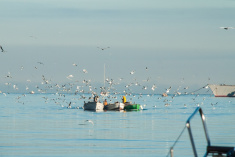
<point>129,106</point>
<point>114,106</point>
<point>222,90</point>
<point>94,105</point>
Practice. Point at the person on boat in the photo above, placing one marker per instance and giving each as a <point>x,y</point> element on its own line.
<point>105,102</point>
<point>164,95</point>
<point>123,99</point>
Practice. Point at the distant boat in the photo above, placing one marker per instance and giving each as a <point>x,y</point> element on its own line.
<point>223,90</point>
<point>32,92</point>
<point>114,106</point>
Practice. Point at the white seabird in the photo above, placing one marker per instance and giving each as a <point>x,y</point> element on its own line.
<point>132,72</point>
<point>85,71</point>
<point>75,65</point>
<point>227,28</point>
<point>69,77</point>
<point>90,121</point>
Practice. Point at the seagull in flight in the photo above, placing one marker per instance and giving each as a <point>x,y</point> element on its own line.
<point>227,28</point>
<point>40,63</point>
<point>9,75</point>
<point>103,48</point>
<point>85,71</point>
<point>1,48</point>
<point>70,77</point>
<point>74,64</point>
<point>132,72</point>
<point>153,87</point>
<point>31,36</point>
<point>168,90</point>
<point>90,121</point>
<point>69,105</point>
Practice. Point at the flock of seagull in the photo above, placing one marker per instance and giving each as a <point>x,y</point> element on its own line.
<point>86,86</point>
<point>80,91</point>
<point>80,88</point>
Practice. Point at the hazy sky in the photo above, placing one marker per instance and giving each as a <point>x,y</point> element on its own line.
<point>179,41</point>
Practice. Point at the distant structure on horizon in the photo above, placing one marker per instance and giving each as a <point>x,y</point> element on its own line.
<point>223,90</point>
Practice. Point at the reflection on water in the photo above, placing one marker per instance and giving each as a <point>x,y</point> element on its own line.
<point>36,128</point>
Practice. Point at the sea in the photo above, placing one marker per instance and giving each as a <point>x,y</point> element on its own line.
<point>42,125</point>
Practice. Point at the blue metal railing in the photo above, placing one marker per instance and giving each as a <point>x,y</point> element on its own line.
<point>198,109</point>
<point>229,151</point>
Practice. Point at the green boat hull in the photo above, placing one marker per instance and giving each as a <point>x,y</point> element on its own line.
<point>132,107</point>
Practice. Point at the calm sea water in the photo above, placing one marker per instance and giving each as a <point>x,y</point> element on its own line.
<point>42,125</point>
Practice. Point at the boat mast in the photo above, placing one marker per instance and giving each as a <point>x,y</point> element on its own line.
<point>104,76</point>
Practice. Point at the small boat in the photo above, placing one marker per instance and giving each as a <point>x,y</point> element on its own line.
<point>95,105</point>
<point>115,106</point>
<point>32,92</point>
<point>223,90</point>
<point>129,106</point>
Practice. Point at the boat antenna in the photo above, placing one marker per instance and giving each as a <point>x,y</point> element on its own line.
<point>104,75</point>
